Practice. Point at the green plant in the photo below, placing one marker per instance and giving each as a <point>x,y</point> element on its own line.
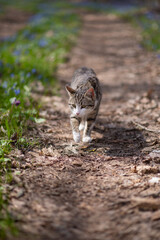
<point>30,56</point>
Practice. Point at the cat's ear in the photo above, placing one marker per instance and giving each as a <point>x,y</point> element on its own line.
<point>70,90</point>
<point>90,93</point>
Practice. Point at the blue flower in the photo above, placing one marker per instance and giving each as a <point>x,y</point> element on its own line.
<point>10,39</point>
<point>28,75</point>
<point>17,91</point>
<point>14,85</point>
<point>40,77</point>
<point>17,52</point>
<point>12,75</point>
<point>22,81</point>
<point>37,19</point>
<point>27,34</point>
<point>5,84</point>
<point>34,70</point>
<point>43,43</point>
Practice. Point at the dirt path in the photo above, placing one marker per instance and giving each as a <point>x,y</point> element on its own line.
<point>12,21</point>
<point>101,192</point>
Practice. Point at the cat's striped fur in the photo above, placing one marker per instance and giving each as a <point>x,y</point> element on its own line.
<point>84,101</point>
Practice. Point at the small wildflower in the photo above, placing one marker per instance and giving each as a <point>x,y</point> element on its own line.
<point>43,43</point>
<point>14,85</point>
<point>28,75</point>
<point>16,102</point>
<point>17,91</point>
<point>5,84</point>
<point>22,81</point>
<point>34,70</point>
<point>39,77</point>
<point>12,75</point>
<point>16,52</point>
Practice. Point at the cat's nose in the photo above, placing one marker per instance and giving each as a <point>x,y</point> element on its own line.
<point>77,113</point>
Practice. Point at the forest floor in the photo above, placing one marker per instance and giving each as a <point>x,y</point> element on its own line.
<point>108,190</point>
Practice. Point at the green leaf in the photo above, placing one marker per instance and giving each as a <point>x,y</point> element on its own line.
<point>38,120</point>
<point>5,160</point>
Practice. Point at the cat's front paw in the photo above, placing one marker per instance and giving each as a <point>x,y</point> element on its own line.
<point>87,139</point>
<point>76,137</point>
<point>81,126</point>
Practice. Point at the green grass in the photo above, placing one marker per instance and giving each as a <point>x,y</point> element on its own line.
<point>31,55</point>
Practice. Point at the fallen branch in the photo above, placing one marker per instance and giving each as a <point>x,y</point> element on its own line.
<point>145,128</point>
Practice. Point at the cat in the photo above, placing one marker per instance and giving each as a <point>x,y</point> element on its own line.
<point>84,101</point>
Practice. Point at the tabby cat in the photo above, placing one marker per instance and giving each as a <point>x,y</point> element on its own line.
<point>84,101</point>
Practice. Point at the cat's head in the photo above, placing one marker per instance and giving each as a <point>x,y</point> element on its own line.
<point>81,102</point>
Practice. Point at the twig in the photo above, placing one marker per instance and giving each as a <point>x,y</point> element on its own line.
<point>145,128</point>
<point>151,108</point>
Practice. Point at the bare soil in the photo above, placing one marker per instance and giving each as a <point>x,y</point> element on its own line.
<point>100,191</point>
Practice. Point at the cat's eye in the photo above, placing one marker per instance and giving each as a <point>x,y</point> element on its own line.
<point>84,106</point>
<point>87,106</point>
<point>72,105</point>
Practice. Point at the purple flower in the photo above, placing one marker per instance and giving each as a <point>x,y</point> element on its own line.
<point>16,102</point>
<point>17,91</point>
